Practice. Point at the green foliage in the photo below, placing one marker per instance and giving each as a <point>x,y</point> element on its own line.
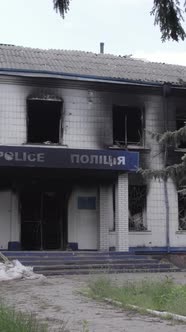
<point>11,321</point>
<point>173,138</point>
<point>177,172</point>
<point>62,6</point>
<point>168,15</point>
<point>156,295</point>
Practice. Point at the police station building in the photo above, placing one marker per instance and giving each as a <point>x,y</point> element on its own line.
<point>74,130</point>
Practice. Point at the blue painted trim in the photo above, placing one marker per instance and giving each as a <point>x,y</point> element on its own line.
<point>98,78</point>
<point>157,250</point>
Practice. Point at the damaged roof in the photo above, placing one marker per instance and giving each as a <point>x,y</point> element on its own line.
<point>86,64</point>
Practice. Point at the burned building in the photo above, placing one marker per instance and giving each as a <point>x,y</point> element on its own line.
<point>74,129</point>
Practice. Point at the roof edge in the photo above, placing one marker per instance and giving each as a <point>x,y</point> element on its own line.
<point>73,76</point>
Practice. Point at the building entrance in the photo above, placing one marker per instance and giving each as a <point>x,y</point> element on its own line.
<point>43,219</point>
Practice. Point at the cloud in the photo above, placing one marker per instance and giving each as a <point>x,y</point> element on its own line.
<point>178,58</point>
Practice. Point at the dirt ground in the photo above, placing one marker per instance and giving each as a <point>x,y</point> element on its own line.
<point>56,300</point>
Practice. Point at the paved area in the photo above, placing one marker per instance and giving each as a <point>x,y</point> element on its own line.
<point>56,300</point>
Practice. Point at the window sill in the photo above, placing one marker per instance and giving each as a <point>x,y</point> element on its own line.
<point>181,150</point>
<point>129,147</point>
<point>45,145</point>
<point>183,232</point>
<point>140,232</point>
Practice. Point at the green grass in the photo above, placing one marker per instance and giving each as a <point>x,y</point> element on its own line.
<point>162,296</point>
<point>11,321</point>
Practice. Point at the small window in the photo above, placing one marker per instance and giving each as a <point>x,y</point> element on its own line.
<point>43,121</point>
<point>180,123</point>
<point>87,203</point>
<point>137,208</point>
<point>127,125</point>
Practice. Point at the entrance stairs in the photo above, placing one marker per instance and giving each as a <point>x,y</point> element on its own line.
<point>83,262</point>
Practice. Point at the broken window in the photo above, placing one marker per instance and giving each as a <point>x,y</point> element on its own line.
<point>43,120</point>
<point>180,123</point>
<point>181,211</point>
<point>137,207</point>
<point>127,125</point>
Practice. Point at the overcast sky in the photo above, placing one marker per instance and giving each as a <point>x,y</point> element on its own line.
<point>125,26</point>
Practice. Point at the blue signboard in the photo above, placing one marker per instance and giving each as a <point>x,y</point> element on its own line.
<point>58,157</point>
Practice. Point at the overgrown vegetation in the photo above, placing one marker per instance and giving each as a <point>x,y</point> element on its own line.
<point>162,296</point>
<point>11,321</point>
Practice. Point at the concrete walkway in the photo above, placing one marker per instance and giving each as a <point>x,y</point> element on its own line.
<point>56,300</point>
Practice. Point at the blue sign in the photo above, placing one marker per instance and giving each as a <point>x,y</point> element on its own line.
<point>58,157</point>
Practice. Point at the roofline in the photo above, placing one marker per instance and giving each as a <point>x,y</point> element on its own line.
<point>73,76</point>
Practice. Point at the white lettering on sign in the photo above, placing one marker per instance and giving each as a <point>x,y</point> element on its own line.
<point>93,159</point>
<point>84,159</point>
<point>97,159</point>
<point>120,160</point>
<point>22,156</point>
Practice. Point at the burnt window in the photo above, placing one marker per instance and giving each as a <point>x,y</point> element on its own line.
<point>181,211</point>
<point>43,121</point>
<point>137,207</point>
<point>127,125</point>
<point>180,123</point>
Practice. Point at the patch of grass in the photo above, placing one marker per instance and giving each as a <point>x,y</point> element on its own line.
<point>162,296</point>
<point>11,321</point>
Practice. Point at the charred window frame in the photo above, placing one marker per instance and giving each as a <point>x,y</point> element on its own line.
<point>180,123</point>
<point>128,124</point>
<point>44,121</point>
<point>137,207</point>
<point>181,211</point>
<point>112,226</point>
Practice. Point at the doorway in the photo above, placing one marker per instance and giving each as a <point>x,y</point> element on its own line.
<point>43,224</point>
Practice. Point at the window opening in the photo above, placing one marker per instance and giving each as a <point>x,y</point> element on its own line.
<point>137,208</point>
<point>127,125</point>
<point>180,123</point>
<point>112,225</point>
<point>43,121</point>
<point>181,211</point>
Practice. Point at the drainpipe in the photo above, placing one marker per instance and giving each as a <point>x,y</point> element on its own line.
<point>166,94</point>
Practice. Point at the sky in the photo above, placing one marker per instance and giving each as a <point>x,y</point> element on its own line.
<point>125,26</point>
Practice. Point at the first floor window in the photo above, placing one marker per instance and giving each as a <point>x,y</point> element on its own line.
<point>137,208</point>
<point>181,211</point>
<point>180,123</point>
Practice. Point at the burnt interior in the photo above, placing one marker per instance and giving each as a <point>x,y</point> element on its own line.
<point>137,205</point>
<point>43,121</point>
<point>127,125</point>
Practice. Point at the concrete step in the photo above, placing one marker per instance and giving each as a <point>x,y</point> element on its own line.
<point>95,271</point>
<point>103,266</point>
<point>53,262</point>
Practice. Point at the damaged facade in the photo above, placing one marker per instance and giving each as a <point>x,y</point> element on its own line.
<point>73,126</point>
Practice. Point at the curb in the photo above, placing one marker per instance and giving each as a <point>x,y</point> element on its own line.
<point>163,314</point>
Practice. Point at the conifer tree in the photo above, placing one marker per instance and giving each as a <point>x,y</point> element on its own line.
<point>168,15</point>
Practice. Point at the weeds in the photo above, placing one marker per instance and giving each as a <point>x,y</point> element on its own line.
<point>162,296</point>
<point>11,321</point>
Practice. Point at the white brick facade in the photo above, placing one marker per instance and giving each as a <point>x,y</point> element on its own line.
<point>87,124</point>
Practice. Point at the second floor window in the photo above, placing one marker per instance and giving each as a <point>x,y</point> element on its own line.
<point>43,121</point>
<point>127,125</point>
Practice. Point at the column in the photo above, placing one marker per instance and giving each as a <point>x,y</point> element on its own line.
<point>122,241</point>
